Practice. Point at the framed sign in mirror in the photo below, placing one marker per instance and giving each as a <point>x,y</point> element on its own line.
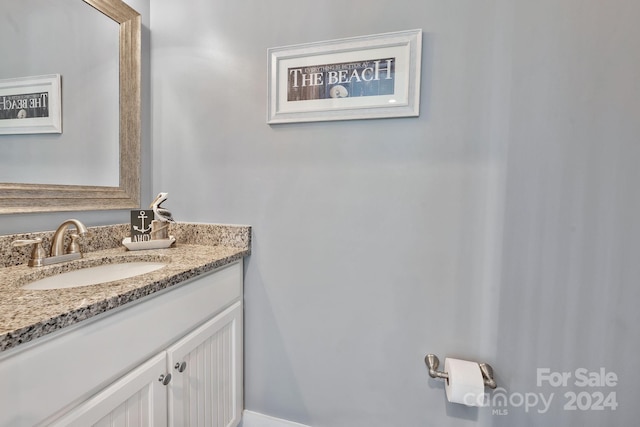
<point>366,77</point>
<point>30,105</point>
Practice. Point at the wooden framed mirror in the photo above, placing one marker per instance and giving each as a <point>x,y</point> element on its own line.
<point>24,198</point>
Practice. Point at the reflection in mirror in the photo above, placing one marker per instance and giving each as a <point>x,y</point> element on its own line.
<point>100,142</point>
<point>87,151</point>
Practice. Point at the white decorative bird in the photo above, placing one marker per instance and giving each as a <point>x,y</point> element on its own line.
<point>161,214</point>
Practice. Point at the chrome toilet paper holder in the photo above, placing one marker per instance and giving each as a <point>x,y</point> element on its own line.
<point>433,363</point>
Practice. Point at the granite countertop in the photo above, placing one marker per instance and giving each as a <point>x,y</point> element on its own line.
<point>29,314</point>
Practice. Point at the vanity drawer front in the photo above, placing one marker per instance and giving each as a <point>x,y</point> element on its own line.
<point>67,367</point>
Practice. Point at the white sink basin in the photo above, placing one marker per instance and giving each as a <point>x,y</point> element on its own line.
<point>95,275</point>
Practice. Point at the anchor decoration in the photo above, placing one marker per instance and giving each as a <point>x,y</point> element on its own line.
<point>141,221</point>
<point>150,227</point>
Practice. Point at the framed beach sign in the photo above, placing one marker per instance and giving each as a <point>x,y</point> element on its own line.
<point>367,77</point>
<point>31,105</point>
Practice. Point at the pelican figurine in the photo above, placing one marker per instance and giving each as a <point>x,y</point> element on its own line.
<point>161,214</point>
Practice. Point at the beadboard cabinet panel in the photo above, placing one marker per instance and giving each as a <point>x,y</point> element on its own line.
<point>207,373</point>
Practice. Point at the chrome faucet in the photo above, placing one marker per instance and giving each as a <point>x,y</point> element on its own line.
<point>57,253</point>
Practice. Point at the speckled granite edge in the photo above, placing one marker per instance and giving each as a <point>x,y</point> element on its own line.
<point>110,236</point>
<point>82,306</point>
<point>26,315</point>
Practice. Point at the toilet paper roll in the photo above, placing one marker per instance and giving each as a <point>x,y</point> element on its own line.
<point>465,384</point>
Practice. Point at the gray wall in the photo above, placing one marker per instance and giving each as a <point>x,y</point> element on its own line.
<point>375,242</point>
<point>497,226</point>
<point>569,288</point>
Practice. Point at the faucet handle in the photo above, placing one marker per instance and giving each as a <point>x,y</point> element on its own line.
<point>25,242</point>
<point>73,247</point>
<point>38,254</point>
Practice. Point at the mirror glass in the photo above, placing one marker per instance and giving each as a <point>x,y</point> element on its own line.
<point>72,39</point>
<point>94,163</point>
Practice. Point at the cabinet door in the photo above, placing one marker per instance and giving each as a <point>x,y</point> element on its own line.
<point>206,390</point>
<point>138,399</point>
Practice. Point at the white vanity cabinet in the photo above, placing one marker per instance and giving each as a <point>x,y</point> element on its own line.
<point>195,382</point>
<point>171,359</point>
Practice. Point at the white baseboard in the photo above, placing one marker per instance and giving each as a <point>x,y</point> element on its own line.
<point>254,419</point>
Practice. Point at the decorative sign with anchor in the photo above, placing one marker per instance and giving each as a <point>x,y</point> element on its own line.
<point>141,225</point>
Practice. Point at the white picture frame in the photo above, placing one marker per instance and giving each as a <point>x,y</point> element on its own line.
<point>379,75</point>
<point>31,105</point>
